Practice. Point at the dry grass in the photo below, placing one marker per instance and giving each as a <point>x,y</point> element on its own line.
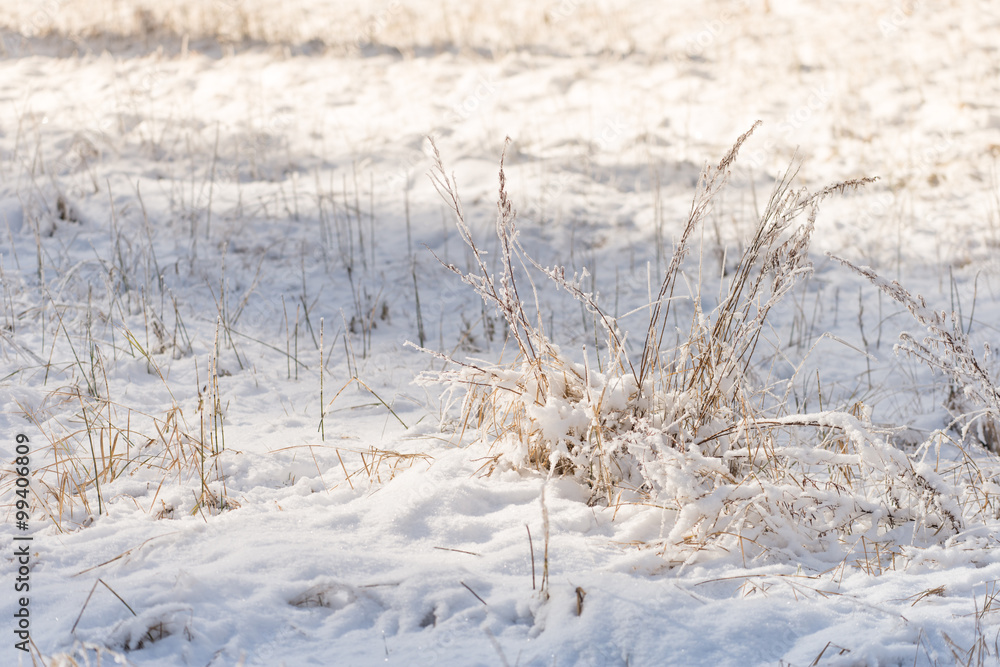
<point>104,441</point>
<point>688,427</point>
<point>974,397</point>
<point>395,26</point>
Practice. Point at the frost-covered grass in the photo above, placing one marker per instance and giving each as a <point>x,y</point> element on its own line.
<point>347,27</point>
<point>692,430</point>
<point>673,414</point>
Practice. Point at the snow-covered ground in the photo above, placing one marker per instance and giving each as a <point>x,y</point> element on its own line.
<point>219,235</point>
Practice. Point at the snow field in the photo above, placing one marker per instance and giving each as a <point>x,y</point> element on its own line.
<point>187,191</point>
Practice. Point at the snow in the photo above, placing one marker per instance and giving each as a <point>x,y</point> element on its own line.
<point>194,195</point>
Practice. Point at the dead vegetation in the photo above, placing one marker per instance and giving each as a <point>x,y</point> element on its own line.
<point>690,427</point>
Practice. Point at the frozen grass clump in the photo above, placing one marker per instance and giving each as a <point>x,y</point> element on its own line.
<point>688,427</point>
<point>945,347</point>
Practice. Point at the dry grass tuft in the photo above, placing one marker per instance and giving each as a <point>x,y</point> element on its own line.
<point>974,396</point>
<point>687,428</point>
